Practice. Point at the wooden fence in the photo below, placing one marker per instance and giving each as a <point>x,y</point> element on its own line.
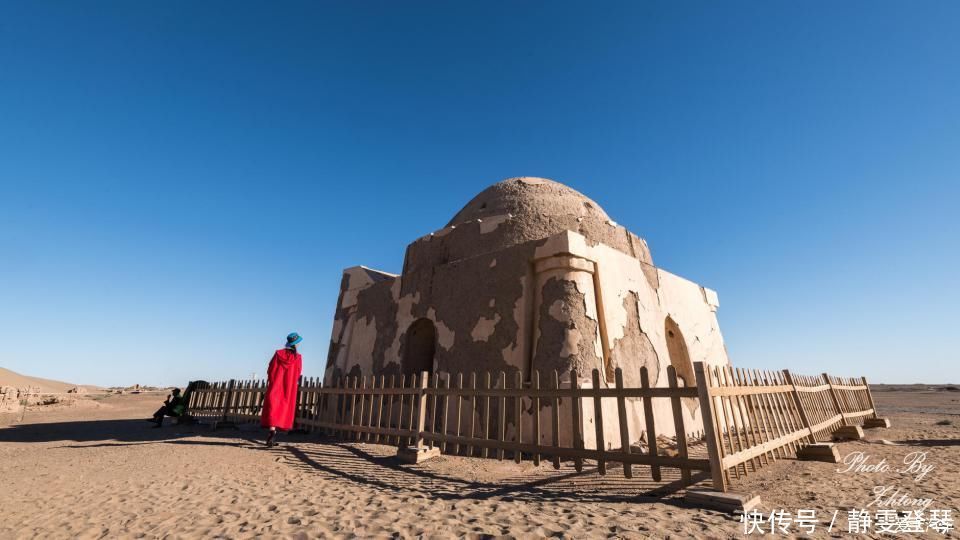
<point>470,416</point>
<point>755,418</point>
<point>750,418</point>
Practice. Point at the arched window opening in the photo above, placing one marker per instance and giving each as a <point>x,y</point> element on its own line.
<point>420,346</point>
<point>679,356</point>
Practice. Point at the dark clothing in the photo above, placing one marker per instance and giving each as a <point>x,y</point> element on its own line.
<point>171,407</point>
<point>177,405</point>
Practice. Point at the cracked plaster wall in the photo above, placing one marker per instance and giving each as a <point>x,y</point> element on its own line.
<point>635,308</point>
<point>478,281</point>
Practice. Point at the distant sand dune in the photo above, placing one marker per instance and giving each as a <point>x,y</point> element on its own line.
<point>46,386</point>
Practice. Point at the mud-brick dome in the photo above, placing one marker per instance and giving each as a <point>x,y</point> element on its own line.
<point>517,211</point>
<point>530,199</point>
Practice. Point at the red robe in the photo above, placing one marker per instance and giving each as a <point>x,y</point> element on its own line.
<point>283,378</point>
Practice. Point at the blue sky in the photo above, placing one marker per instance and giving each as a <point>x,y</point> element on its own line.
<point>181,183</point>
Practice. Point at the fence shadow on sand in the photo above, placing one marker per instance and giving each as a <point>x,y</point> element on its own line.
<point>122,430</point>
<point>373,465</point>
<point>455,478</point>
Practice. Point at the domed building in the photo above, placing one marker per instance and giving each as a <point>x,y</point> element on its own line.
<point>529,275</point>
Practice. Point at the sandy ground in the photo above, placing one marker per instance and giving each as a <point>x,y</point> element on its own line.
<point>101,471</point>
<point>16,380</point>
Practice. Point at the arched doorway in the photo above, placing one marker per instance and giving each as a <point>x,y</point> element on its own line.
<point>679,357</point>
<point>420,345</point>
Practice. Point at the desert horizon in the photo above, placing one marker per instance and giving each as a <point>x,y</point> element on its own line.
<point>13,379</point>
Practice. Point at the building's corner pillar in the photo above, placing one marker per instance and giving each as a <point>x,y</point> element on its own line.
<point>567,328</point>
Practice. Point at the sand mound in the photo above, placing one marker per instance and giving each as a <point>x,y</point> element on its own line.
<point>44,386</point>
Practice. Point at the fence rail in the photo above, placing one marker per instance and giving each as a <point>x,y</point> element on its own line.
<point>750,418</point>
<point>759,417</point>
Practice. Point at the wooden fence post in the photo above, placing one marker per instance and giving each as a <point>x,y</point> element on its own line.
<point>836,399</point>
<point>412,441</point>
<point>502,417</point>
<point>456,449</point>
<point>298,410</point>
<point>191,403</point>
<point>485,451</point>
<point>473,410</point>
<point>535,407</point>
<point>444,415</point>
<point>870,397</point>
<point>320,411</point>
<point>362,401</point>
<point>709,434</point>
<point>518,416</point>
<point>575,416</point>
<point>598,423</point>
<point>651,428</point>
<point>622,418</point>
<point>678,426</point>
<point>229,396</point>
<point>422,409</point>
<point>800,408</point>
<point>555,419</point>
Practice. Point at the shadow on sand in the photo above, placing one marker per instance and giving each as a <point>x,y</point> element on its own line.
<point>931,442</point>
<point>116,431</point>
<point>371,465</point>
<point>353,462</point>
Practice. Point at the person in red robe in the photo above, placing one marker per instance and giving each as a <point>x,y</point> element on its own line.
<point>283,379</point>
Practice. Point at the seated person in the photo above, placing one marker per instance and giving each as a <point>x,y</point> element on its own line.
<point>175,405</point>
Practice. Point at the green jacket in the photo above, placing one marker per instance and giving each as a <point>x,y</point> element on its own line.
<point>177,405</point>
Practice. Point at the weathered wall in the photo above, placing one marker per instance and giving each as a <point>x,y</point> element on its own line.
<point>9,399</point>
<point>566,332</point>
<point>634,302</point>
<point>364,319</point>
<point>478,306</point>
<point>512,288</point>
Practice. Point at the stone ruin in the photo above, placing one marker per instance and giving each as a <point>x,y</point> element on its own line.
<point>10,399</point>
<point>530,275</point>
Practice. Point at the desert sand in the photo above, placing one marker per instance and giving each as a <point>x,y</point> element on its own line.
<point>37,384</point>
<point>101,471</point>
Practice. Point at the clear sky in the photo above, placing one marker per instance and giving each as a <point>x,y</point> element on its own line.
<point>181,183</point>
